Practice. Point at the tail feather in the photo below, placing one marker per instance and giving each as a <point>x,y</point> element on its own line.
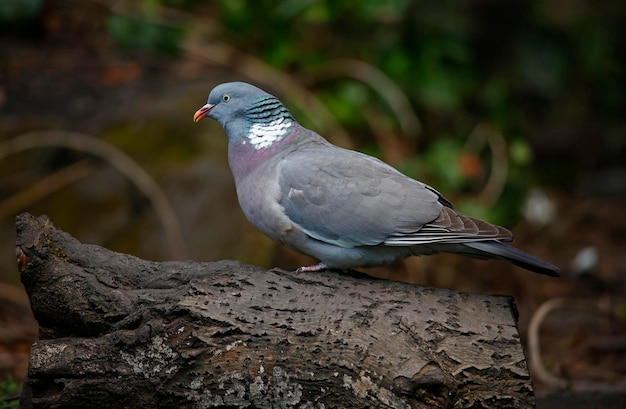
<point>522,259</point>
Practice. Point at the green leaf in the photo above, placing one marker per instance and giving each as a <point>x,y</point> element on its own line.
<point>520,152</point>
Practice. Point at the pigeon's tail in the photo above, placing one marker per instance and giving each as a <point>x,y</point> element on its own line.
<point>497,249</point>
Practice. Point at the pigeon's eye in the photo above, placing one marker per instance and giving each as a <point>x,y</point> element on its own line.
<point>225,97</point>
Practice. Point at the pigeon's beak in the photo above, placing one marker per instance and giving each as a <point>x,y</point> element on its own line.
<point>202,112</point>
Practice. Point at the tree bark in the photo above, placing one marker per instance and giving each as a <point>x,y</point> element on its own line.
<point>118,331</point>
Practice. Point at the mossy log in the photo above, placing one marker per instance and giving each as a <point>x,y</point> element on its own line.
<point>119,331</point>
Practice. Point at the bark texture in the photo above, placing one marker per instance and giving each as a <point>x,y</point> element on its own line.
<point>119,331</point>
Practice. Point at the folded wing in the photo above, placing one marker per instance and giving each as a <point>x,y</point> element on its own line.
<point>349,199</point>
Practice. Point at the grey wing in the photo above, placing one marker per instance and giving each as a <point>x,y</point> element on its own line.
<point>349,199</point>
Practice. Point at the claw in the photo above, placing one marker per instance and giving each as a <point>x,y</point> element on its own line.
<point>313,269</point>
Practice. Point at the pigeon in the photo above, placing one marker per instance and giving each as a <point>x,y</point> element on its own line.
<point>340,206</point>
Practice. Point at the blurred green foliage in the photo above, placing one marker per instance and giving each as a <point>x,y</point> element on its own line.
<point>9,390</point>
<point>514,65</point>
<point>19,10</point>
<point>546,75</point>
<point>133,32</point>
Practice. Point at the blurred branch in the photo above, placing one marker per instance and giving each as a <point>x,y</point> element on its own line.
<point>116,158</point>
<point>536,364</point>
<point>393,149</point>
<point>485,134</point>
<point>379,82</point>
<point>46,186</point>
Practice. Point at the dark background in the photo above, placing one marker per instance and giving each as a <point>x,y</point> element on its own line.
<point>514,110</point>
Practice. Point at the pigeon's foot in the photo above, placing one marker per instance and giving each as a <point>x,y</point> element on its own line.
<point>313,269</point>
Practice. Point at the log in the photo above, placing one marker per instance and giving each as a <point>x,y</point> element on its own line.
<point>119,331</point>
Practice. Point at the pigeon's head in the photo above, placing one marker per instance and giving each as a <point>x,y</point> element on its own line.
<point>245,111</point>
<point>228,101</point>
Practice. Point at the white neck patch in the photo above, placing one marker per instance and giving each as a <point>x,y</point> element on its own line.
<point>263,135</point>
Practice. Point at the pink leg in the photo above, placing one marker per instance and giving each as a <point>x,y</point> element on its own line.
<point>313,269</point>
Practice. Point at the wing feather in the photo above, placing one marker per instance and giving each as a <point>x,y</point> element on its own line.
<point>346,198</point>
<point>350,199</point>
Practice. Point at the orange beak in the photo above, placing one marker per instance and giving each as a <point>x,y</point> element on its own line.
<point>202,112</point>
